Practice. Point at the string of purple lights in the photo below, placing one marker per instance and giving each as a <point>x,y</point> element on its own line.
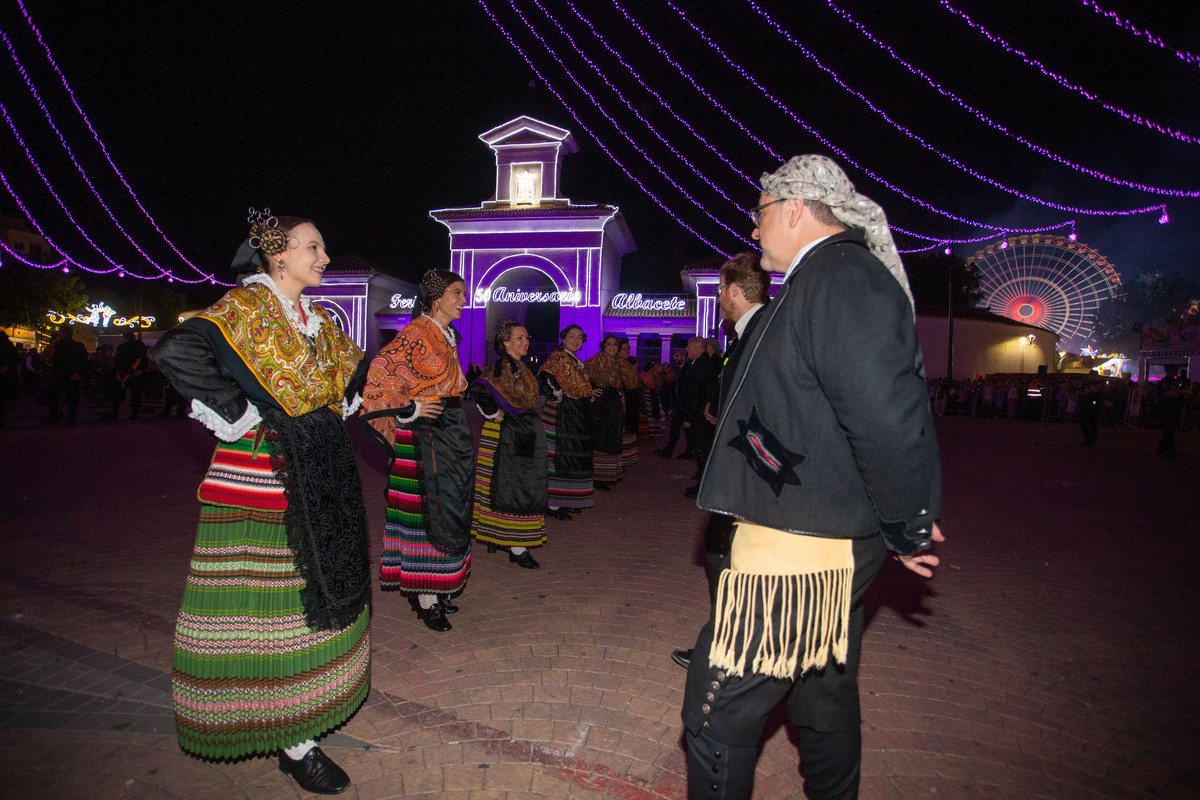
<point>1059,79</point>
<point>100,143</point>
<point>936,241</point>
<point>874,176</point>
<point>973,111</point>
<point>592,98</point>
<point>1120,22</point>
<point>63,263</point>
<point>657,96</point>
<point>1096,212</point>
<point>50,188</point>
<point>570,110</point>
<point>650,126</point>
<point>171,277</point>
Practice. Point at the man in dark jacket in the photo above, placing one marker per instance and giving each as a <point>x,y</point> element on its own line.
<point>742,292</point>
<point>68,369</point>
<point>698,389</point>
<point>130,362</point>
<point>675,388</point>
<point>826,455</point>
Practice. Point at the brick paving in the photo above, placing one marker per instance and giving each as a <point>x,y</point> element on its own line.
<point>1051,657</point>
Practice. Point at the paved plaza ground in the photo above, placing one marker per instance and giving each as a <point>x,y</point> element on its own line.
<point>1054,655</point>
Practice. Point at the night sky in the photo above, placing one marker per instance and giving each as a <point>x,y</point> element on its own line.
<point>364,116</point>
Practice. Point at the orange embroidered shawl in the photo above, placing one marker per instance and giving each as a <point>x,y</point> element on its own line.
<point>604,371</point>
<point>629,374</point>
<point>419,364</point>
<point>569,373</point>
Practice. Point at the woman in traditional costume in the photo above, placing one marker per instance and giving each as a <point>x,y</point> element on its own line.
<point>510,473</point>
<point>565,416</point>
<point>412,407</point>
<point>272,645</point>
<point>631,396</point>
<point>608,418</point>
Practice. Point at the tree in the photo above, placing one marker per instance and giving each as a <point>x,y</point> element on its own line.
<point>929,272</point>
<point>1152,299</point>
<point>26,294</point>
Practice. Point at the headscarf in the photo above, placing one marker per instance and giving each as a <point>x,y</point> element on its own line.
<point>818,178</point>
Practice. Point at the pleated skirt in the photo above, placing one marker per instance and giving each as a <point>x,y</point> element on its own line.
<point>497,527</point>
<point>607,466</point>
<point>250,677</point>
<point>568,487</point>
<point>410,562</point>
<point>629,450</point>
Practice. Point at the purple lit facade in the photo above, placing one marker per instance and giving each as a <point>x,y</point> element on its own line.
<point>529,254</point>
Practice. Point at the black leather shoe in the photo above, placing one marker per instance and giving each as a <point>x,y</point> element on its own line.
<point>682,657</point>
<point>447,605</point>
<point>692,491</point>
<point>524,560</point>
<point>558,513</point>
<point>663,452</point>
<point>434,618</point>
<point>603,487</point>
<point>575,510</point>
<point>315,773</point>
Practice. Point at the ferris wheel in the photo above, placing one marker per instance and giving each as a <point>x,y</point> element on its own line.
<point>1047,281</point>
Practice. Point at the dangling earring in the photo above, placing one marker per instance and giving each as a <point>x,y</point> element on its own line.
<point>280,266</point>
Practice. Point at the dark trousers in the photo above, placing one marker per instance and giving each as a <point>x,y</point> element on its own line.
<point>718,535</point>
<point>133,385</point>
<point>702,434</point>
<point>1089,424</point>
<point>673,436</point>
<point>724,715</point>
<point>59,385</point>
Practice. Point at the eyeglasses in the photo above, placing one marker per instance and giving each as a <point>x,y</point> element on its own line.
<point>721,287</point>
<point>756,212</point>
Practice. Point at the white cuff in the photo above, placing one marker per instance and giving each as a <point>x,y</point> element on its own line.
<point>225,431</point>
<point>405,420</point>
<point>490,416</point>
<point>350,408</point>
<point>558,394</point>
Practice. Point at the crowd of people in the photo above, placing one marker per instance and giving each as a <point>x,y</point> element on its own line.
<point>73,384</point>
<point>1170,402</point>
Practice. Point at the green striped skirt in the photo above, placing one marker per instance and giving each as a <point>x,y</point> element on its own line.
<point>249,675</point>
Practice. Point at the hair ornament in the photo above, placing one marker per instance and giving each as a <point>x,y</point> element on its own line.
<point>433,284</point>
<point>504,335</point>
<point>265,234</point>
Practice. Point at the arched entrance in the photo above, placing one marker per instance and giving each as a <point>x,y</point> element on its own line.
<point>539,316</point>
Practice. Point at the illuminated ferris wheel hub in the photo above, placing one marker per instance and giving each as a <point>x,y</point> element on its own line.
<point>1051,282</point>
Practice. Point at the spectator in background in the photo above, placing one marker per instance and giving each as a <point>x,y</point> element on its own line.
<point>130,361</point>
<point>10,360</point>
<point>68,371</point>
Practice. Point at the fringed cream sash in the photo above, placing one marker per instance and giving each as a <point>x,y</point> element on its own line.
<point>810,575</point>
